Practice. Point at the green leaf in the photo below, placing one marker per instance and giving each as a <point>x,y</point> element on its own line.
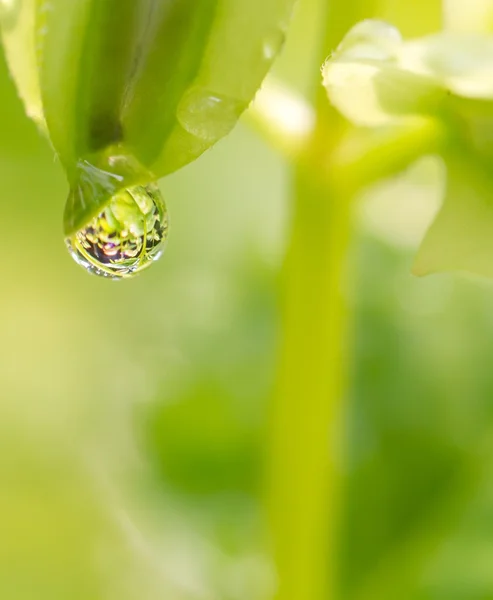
<point>86,56</point>
<point>461,237</point>
<point>161,81</point>
<point>214,76</point>
<point>18,20</point>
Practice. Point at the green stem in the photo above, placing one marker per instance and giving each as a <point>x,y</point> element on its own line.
<point>309,393</point>
<point>304,475</point>
<point>304,478</point>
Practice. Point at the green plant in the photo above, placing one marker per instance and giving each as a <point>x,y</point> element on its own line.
<point>129,91</point>
<point>432,116</point>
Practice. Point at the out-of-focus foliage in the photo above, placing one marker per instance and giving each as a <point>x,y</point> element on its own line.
<point>375,79</point>
<point>133,418</point>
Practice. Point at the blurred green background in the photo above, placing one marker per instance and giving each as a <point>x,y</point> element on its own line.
<point>134,415</point>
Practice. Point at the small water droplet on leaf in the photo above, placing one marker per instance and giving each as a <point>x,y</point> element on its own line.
<point>127,236</point>
<point>208,115</point>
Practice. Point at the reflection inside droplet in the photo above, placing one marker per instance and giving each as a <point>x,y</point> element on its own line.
<point>126,237</point>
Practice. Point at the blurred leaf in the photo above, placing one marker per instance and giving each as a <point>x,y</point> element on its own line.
<point>461,237</point>
<point>366,83</point>
<point>207,438</point>
<point>419,429</point>
<point>374,77</point>
<point>17,21</point>
<point>200,444</point>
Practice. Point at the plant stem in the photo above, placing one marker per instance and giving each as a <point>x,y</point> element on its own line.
<point>303,477</point>
<point>309,392</point>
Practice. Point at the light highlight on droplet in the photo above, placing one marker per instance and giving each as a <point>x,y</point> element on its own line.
<point>126,237</point>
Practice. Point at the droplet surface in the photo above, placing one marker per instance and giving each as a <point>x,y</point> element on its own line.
<point>208,115</point>
<point>126,237</point>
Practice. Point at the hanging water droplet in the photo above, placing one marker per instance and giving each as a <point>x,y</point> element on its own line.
<point>208,115</point>
<point>126,237</point>
<point>273,44</point>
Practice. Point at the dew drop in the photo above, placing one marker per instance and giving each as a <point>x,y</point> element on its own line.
<point>208,115</point>
<point>126,237</point>
<point>273,44</point>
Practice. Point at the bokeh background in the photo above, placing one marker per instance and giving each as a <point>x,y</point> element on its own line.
<point>133,415</point>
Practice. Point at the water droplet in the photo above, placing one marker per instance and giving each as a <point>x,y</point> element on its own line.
<point>126,237</point>
<point>208,115</point>
<point>273,44</point>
